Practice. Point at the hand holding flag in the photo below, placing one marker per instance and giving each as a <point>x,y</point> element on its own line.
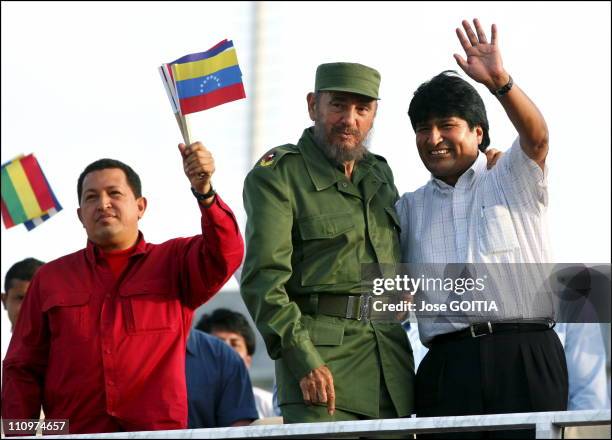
<point>199,166</point>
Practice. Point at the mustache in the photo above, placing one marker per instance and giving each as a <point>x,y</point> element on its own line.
<point>105,214</point>
<point>345,130</point>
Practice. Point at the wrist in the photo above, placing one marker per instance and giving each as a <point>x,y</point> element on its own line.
<point>499,80</point>
<point>201,186</point>
<point>502,86</point>
<point>205,198</point>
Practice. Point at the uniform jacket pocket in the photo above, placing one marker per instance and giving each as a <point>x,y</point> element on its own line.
<point>325,226</point>
<point>327,256</point>
<point>322,332</point>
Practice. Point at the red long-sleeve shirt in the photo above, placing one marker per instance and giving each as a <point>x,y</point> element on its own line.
<point>108,354</point>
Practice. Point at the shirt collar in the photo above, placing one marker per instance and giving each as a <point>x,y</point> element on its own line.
<point>467,179</point>
<point>94,253</point>
<point>322,171</point>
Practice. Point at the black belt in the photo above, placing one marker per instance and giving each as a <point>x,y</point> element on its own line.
<point>488,328</point>
<point>343,306</point>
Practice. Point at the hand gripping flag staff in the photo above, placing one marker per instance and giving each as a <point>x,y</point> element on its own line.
<point>200,81</point>
<point>27,196</point>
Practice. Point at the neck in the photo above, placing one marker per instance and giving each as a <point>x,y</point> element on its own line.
<point>116,247</point>
<point>454,178</point>
<point>348,169</point>
<point>449,180</point>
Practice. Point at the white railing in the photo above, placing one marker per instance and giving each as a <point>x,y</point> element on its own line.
<point>546,424</point>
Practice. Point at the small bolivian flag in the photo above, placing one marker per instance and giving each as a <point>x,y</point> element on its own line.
<point>27,196</point>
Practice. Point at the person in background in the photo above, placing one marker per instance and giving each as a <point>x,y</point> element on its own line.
<point>16,283</point>
<point>586,365</point>
<point>102,333</point>
<point>219,391</point>
<point>234,329</point>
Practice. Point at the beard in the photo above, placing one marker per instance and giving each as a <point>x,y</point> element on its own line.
<point>338,153</point>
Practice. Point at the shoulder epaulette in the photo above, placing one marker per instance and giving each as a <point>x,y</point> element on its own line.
<point>273,157</point>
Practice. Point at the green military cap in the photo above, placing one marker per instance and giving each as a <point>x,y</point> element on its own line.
<point>348,77</point>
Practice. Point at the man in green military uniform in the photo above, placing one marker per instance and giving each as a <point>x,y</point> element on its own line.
<point>317,211</point>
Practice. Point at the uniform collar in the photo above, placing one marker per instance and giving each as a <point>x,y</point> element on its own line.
<point>322,171</point>
<point>467,179</point>
<point>94,253</point>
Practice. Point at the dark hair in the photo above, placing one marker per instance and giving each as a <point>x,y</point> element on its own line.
<point>103,164</point>
<point>23,270</point>
<point>445,95</point>
<point>228,321</point>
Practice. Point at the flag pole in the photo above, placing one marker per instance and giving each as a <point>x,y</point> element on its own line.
<point>184,126</point>
<point>181,119</point>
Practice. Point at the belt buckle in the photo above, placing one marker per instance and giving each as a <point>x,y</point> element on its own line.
<point>348,313</point>
<point>364,307</point>
<point>474,335</point>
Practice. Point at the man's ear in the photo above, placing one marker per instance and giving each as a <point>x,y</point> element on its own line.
<point>141,202</point>
<point>4,298</point>
<point>479,134</point>
<point>311,99</point>
<point>249,360</point>
<point>80,217</point>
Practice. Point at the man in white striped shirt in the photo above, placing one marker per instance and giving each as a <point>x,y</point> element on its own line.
<point>468,214</point>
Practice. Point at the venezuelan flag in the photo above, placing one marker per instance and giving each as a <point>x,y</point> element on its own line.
<point>208,79</point>
<point>216,49</point>
<point>26,194</point>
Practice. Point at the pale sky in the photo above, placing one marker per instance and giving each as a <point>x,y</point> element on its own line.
<point>80,82</point>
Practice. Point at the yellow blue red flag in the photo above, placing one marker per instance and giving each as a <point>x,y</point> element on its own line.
<point>206,79</point>
<point>26,194</point>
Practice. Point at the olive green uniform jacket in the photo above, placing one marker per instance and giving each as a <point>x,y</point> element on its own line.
<point>309,229</point>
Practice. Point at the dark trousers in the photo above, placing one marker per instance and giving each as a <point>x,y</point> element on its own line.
<point>493,374</point>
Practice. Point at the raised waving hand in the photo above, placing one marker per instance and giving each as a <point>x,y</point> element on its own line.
<point>484,62</point>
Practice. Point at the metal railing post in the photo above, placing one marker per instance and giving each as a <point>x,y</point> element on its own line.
<point>547,430</point>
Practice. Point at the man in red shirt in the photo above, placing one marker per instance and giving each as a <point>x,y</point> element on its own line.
<point>102,332</point>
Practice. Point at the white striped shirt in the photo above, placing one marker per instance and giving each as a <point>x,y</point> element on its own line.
<point>489,216</point>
